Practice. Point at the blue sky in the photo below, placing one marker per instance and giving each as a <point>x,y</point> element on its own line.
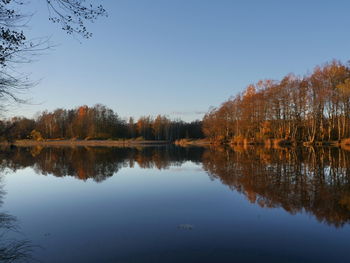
<point>180,57</point>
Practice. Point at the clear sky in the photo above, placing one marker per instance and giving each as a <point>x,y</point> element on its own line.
<point>179,57</point>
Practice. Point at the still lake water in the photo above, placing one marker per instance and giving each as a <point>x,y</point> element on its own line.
<point>171,204</point>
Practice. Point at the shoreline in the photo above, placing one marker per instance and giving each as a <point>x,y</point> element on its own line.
<point>180,143</point>
<point>97,143</point>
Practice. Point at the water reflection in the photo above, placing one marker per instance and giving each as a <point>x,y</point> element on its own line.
<point>97,163</point>
<point>11,249</point>
<point>298,180</point>
<point>301,179</point>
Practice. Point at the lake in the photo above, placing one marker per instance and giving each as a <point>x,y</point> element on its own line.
<point>173,204</point>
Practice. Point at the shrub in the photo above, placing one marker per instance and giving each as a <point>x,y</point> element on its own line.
<point>345,141</point>
<point>35,135</point>
<point>237,140</point>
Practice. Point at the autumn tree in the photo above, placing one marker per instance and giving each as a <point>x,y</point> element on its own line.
<point>97,123</point>
<point>305,109</point>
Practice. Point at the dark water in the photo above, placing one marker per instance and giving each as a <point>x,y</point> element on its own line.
<point>169,204</point>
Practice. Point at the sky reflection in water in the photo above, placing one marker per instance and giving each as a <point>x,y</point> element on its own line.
<point>134,205</point>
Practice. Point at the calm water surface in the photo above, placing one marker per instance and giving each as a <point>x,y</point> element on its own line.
<point>169,204</point>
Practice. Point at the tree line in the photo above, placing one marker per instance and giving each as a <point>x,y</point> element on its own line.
<point>97,122</point>
<point>312,108</point>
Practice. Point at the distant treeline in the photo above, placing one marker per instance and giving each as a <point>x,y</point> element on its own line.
<point>312,108</point>
<point>98,122</point>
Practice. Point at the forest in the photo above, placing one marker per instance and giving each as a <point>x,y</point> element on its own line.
<point>312,109</point>
<point>96,123</point>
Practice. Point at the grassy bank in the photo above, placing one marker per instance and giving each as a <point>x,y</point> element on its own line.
<point>85,143</point>
<point>192,142</point>
<point>183,143</point>
<point>286,143</point>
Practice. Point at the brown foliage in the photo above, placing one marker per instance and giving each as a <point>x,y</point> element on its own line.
<point>308,109</point>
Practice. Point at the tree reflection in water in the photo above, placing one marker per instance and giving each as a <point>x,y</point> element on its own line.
<point>298,180</point>
<point>312,180</point>
<point>11,250</point>
<point>97,163</point>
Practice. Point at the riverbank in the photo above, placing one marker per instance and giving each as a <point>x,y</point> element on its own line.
<point>270,143</point>
<point>282,143</point>
<point>192,142</point>
<point>345,144</point>
<point>105,143</point>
